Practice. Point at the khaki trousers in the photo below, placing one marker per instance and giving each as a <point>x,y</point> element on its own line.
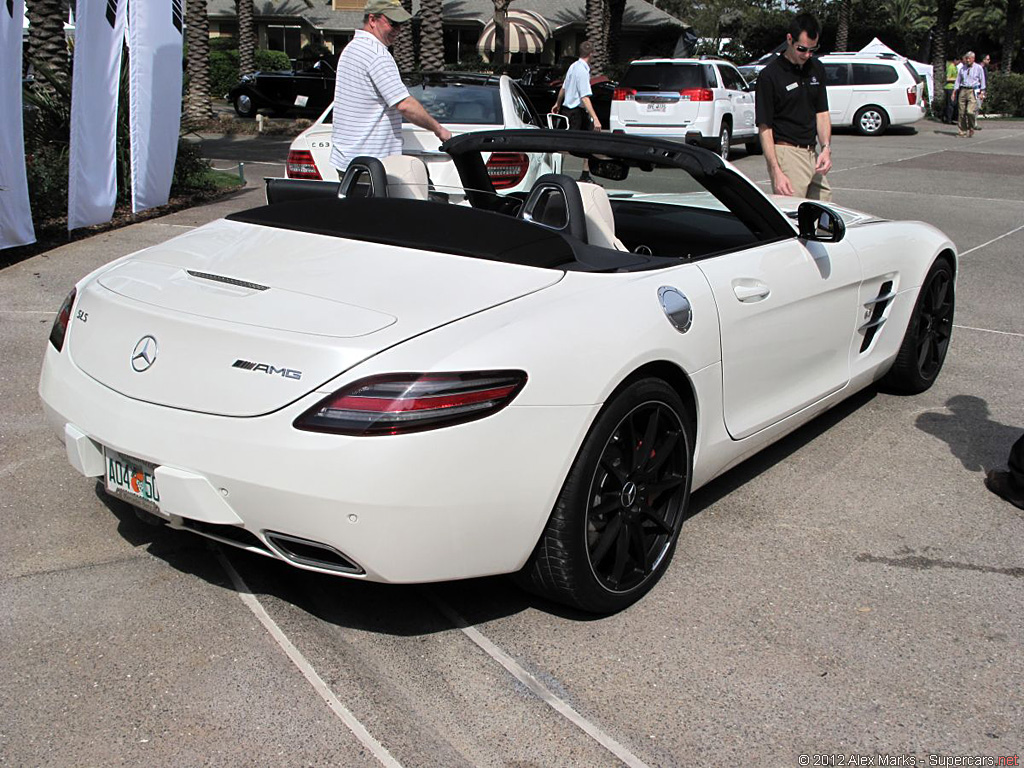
<point>967,102</point>
<point>798,165</point>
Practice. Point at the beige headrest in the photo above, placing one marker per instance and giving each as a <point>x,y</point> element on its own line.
<point>600,220</point>
<point>407,177</point>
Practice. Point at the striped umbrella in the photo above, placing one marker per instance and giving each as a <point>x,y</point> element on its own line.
<point>527,32</point>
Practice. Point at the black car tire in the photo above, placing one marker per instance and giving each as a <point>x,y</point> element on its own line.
<point>928,333</point>
<point>244,105</point>
<point>871,121</point>
<point>616,521</point>
<point>725,141</point>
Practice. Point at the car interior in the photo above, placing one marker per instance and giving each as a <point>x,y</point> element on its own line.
<point>622,231</point>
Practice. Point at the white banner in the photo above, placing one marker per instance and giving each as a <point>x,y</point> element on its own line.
<point>154,43</point>
<point>92,178</point>
<point>15,212</point>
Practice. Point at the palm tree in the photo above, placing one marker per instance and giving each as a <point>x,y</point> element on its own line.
<point>616,9</point>
<point>598,20</point>
<point>246,36</point>
<point>940,33</point>
<point>1012,35</point>
<point>197,99</point>
<point>843,31</point>
<point>403,49</point>
<point>502,55</point>
<point>431,38</point>
<point>47,46</point>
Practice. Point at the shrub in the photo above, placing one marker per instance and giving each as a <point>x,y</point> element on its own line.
<point>267,61</point>
<point>224,68</point>
<point>1005,94</point>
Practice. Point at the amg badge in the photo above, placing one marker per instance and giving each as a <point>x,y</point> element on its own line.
<point>288,373</point>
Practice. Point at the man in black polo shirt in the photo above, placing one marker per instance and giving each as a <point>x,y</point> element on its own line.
<point>792,115</point>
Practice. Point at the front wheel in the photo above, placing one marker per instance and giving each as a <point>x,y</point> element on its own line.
<point>244,105</point>
<point>871,121</point>
<point>615,524</point>
<point>927,337</point>
<point>725,141</point>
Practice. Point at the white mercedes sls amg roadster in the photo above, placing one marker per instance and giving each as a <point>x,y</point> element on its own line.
<point>368,379</point>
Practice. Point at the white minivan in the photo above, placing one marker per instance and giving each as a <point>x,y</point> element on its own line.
<point>872,91</point>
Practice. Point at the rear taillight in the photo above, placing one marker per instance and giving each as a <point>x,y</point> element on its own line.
<point>697,94</point>
<point>506,169</point>
<point>301,165</point>
<point>60,325</point>
<point>397,404</point>
<point>624,94</point>
<point>912,95</point>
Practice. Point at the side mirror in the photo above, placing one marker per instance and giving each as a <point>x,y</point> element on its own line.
<point>557,122</point>
<point>819,223</point>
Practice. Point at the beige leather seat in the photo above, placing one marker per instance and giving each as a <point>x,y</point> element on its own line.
<point>600,220</point>
<point>407,177</point>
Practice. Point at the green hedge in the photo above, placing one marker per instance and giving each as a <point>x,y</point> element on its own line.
<point>224,68</point>
<point>1005,94</point>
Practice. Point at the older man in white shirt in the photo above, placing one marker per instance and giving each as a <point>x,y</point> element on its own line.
<point>968,89</point>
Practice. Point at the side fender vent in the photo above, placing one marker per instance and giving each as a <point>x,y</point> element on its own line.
<point>878,305</point>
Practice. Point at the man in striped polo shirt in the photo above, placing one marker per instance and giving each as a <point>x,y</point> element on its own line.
<point>370,99</point>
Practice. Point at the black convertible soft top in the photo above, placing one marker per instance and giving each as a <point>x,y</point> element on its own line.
<point>455,229</point>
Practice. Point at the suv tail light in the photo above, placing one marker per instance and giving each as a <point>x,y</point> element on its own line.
<point>912,95</point>
<point>697,94</point>
<point>60,324</point>
<point>506,169</point>
<point>396,404</point>
<point>301,165</point>
<point>624,94</point>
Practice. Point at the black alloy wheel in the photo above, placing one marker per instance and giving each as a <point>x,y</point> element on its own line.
<point>926,341</point>
<point>617,519</point>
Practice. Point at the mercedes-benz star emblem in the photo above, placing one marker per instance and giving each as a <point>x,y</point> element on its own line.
<point>628,495</point>
<point>144,354</point>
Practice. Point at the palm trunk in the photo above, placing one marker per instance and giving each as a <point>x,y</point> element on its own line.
<point>46,44</point>
<point>1012,37</point>
<point>403,49</point>
<point>943,18</point>
<point>198,109</point>
<point>246,37</point>
<point>502,55</point>
<point>616,9</point>
<point>598,20</point>
<point>843,31</point>
<point>431,39</point>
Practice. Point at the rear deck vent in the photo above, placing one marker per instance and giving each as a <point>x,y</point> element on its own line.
<point>311,553</point>
<point>878,306</point>
<point>228,280</point>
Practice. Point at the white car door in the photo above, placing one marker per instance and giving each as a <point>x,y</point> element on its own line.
<point>741,101</point>
<point>788,312</point>
<point>519,114</point>
<point>839,91</point>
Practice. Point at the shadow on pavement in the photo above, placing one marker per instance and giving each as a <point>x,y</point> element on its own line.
<point>972,436</point>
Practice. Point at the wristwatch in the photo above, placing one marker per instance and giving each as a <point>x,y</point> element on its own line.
<point>825,146</point>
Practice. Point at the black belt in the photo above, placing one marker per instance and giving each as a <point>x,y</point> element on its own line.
<point>792,144</point>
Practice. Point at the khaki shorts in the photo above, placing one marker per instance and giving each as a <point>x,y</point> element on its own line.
<point>798,165</point>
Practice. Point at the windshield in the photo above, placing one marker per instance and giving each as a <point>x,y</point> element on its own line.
<point>460,103</point>
<point>664,77</point>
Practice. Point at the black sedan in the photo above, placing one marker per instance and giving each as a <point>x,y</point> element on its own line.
<point>304,91</point>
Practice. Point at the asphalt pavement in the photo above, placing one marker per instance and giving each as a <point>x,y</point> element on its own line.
<point>854,590</point>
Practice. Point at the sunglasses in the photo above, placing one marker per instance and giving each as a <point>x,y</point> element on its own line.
<point>805,49</point>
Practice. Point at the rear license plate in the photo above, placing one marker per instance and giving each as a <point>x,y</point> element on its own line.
<point>655,107</point>
<point>132,480</point>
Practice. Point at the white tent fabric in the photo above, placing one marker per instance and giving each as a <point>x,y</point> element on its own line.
<point>92,179</point>
<point>15,211</point>
<point>924,70</point>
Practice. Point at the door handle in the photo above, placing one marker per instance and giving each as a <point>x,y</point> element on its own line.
<point>750,290</point>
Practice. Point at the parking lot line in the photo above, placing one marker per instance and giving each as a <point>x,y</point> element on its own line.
<point>989,330</point>
<point>358,729</point>
<point>994,239</point>
<point>539,689</point>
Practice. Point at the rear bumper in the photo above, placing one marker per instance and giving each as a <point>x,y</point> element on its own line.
<point>904,115</point>
<point>453,503</point>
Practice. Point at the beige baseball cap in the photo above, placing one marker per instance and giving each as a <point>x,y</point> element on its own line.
<point>390,8</point>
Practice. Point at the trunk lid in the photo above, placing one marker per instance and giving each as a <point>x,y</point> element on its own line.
<point>244,319</point>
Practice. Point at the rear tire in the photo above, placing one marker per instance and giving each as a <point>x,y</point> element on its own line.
<point>244,105</point>
<point>928,333</point>
<point>615,523</point>
<point>725,141</point>
<point>871,121</point>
